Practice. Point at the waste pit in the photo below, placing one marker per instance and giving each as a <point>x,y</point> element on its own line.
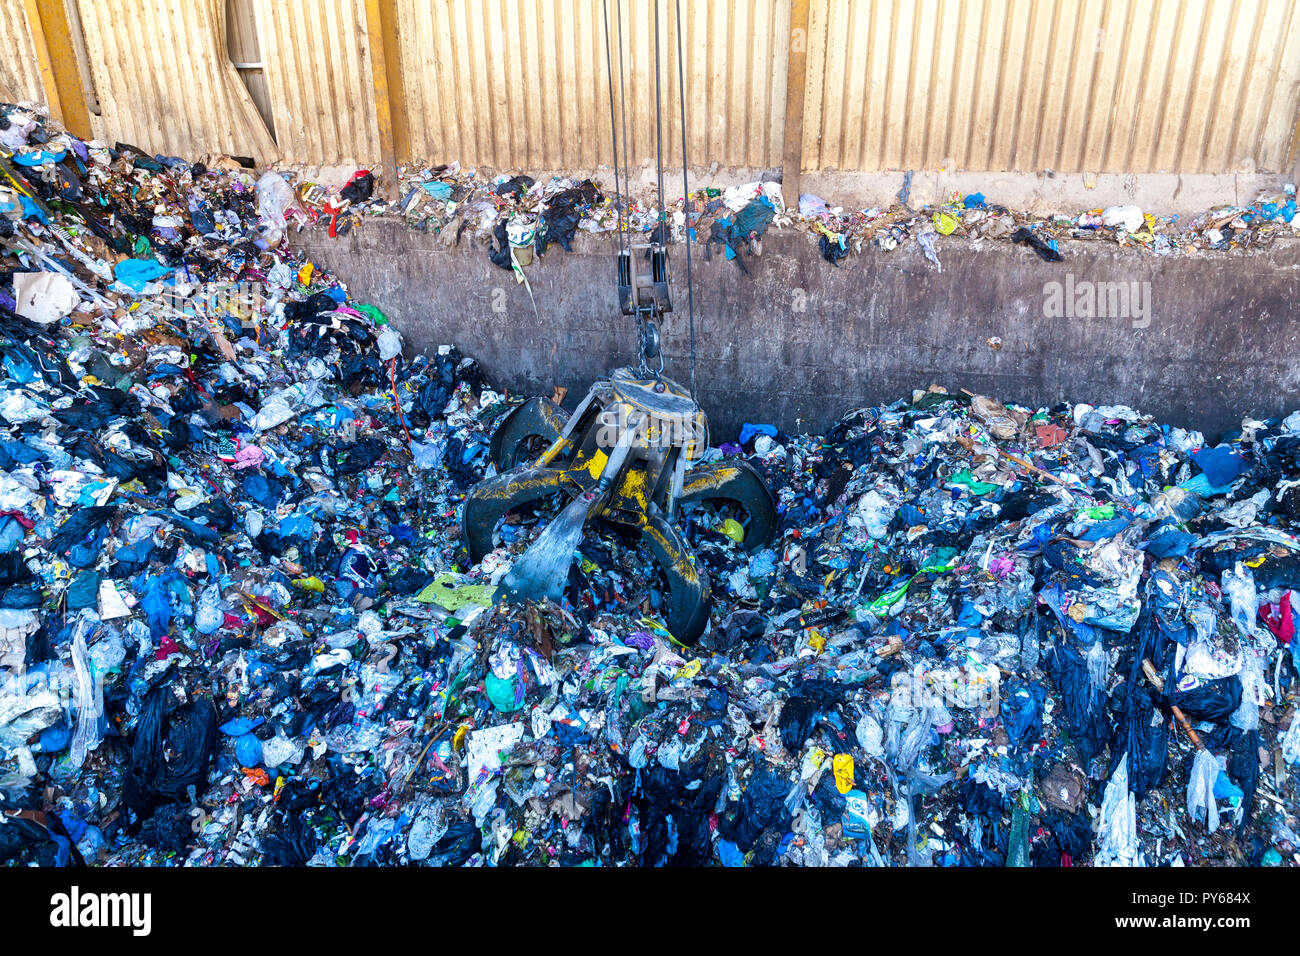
<point>246,620</point>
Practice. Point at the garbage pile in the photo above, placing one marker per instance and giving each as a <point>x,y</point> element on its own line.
<point>237,625</point>
<point>974,217</point>
<point>518,218</point>
<point>503,212</point>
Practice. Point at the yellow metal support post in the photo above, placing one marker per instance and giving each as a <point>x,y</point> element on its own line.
<point>57,58</point>
<point>390,98</point>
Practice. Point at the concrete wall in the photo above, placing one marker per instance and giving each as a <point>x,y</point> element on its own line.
<point>799,342</point>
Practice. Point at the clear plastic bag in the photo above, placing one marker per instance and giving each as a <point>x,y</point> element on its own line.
<point>274,197</point>
<point>1200,790</point>
<point>1098,665</point>
<point>1291,742</point>
<point>86,736</point>
<point>1117,824</point>
<point>1239,588</point>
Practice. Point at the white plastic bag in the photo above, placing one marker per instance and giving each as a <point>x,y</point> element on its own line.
<point>85,737</point>
<point>44,297</point>
<point>1200,790</point>
<point>390,343</point>
<point>1130,217</point>
<point>283,405</point>
<point>873,513</point>
<point>274,197</point>
<point>871,738</point>
<point>1117,824</point>
<point>1246,716</point>
<point>1239,586</point>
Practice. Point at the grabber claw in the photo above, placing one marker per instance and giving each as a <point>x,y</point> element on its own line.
<point>525,431</point>
<point>738,482</point>
<point>622,457</point>
<point>689,594</point>
<point>490,501</point>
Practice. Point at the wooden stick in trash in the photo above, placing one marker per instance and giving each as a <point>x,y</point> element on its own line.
<point>1030,466</point>
<point>419,761</point>
<point>1027,465</point>
<point>1150,670</point>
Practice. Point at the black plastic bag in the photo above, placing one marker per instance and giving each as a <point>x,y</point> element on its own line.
<point>461,841</point>
<point>82,526</point>
<point>13,569</point>
<point>1212,700</point>
<point>807,702</point>
<point>1146,740</point>
<point>499,254</point>
<point>359,456</point>
<point>167,828</point>
<point>515,186</point>
<point>740,627</point>
<point>665,795</point>
<point>293,845</point>
<point>1071,833</point>
<point>798,717</point>
<point>761,807</point>
<point>360,189</point>
<point>35,837</point>
<point>171,752</point>
<point>832,251</point>
<point>561,217</point>
<point>1085,705</point>
<point>1045,252</point>
<point>980,799</point>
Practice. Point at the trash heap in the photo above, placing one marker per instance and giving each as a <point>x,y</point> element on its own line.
<point>502,212</point>
<point>518,218</point>
<point>237,625</point>
<point>973,217</point>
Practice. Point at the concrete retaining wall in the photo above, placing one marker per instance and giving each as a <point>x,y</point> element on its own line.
<point>798,342</point>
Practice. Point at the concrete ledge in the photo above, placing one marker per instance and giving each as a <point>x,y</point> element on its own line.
<point>799,342</point>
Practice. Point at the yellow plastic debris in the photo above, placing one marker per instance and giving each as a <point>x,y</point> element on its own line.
<point>733,529</point>
<point>842,766</point>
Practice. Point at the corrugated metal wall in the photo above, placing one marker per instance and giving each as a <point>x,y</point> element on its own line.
<point>1069,85</point>
<point>165,80</point>
<point>1094,86</point>
<point>523,82</point>
<point>20,75</point>
<point>317,57</point>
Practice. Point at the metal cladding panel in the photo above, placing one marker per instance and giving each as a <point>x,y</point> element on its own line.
<point>524,83</point>
<point>317,62</point>
<point>20,74</point>
<point>165,80</point>
<point>1187,86</point>
<point>1121,86</point>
